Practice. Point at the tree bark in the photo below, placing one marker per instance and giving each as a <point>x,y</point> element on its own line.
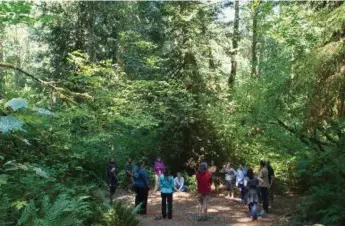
<point>2,74</point>
<point>235,40</point>
<point>256,5</point>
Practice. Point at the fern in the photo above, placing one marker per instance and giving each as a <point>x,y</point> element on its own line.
<point>28,213</point>
<point>64,211</point>
<point>120,214</point>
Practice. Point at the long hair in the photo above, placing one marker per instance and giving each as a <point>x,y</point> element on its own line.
<point>167,172</point>
<point>250,173</point>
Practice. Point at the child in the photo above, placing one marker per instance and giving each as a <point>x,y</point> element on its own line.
<point>166,184</point>
<point>252,197</point>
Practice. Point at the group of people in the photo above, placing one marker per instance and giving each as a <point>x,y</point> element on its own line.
<point>254,189</point>
<point>137,179</point>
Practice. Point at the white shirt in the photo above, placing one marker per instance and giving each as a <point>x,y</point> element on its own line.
<point>239,177</point>
<point>178,183</point>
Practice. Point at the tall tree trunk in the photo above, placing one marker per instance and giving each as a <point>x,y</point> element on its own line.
<point>235,40</point>
<point>254,72</point>
<point>2,73</point>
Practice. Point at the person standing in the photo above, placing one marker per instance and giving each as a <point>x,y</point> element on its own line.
<point>230,176</point>
<point>129,172</point>
<point>112,173</point>
<point>240,182</point>
<point>252,196</point>
<point>159,168</point>
<point>141,187</point>
<point>271,182</point>
<point>166,185</point>
<point>263,185</point>
<point>204,181</point>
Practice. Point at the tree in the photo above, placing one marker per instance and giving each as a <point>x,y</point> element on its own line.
<point>235,40</point>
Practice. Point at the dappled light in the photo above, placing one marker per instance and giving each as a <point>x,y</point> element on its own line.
<point>123,113</point>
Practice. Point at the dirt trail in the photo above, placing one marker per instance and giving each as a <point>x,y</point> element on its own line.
<point>224,211</point>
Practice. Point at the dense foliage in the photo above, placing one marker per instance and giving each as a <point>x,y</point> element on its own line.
<point>81,82</point>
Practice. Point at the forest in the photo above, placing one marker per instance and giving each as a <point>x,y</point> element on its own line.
<point>227,80</point>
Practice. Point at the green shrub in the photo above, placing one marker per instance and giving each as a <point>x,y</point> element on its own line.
<point>64,211</point>
<point>119,214</point>
<point>190,181</point>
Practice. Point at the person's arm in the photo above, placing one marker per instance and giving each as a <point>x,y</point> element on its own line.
<point>272,177</point>
<point>181,184</point>
<point>175,184</point>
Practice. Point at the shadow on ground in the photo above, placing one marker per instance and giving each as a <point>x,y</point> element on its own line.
<point>223,211</point>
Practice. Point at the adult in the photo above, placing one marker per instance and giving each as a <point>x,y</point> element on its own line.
<point>159,168</point>
<point>141,187</point>
<point>112,177</point>
<point>252,196</point>
<point>179,183</point>
<point>240,182</point>
<point>244,169</point>
<point>214,170</point>
<point>230,177</point>
<point>129,172</point>
<point>263,185</point>
<point>166,184</point>
<point>271,182</point>
<point>204,181</point>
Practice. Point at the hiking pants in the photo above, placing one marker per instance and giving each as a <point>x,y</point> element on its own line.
<point>167,198</point>
<point>141,198</point>
<point>264,196</point>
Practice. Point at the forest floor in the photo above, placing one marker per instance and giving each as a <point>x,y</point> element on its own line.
<point>222,210</point>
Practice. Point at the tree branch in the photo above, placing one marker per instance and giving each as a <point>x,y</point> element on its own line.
<point>62,91</point>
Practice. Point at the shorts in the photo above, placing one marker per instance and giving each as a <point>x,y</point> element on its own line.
<point>230,185</point>
<point>203,197</point>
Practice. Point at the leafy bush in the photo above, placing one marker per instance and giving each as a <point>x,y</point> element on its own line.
<point>322,178</point>
<point>119,214</point>
<point>190,181</point>
<point>64,210</point>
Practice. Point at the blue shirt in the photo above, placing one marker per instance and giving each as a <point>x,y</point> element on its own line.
<point>141,178</point>
<point>240,176</point>
<point>166,184</point>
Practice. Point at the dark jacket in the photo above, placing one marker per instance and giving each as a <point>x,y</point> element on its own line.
<point>141,178</point>
<point>112,176</point>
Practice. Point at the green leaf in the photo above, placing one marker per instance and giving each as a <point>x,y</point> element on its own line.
<point>10,123</point>
<point>3,179</point>
<point>17,103</point>
<point>43,111</point>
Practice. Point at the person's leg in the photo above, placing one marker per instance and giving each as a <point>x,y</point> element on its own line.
<point>201,204</point>
<point>164,207</point>
<point>253,210</point>
<point>259,194</point>
<point>112,192</point>
<point>206,200</point>
<point>242,192</point>
<point>271,194</point>
<point>264,199</point>
<point>145,196</point>
<point>170,200</point>
<point>137,198</point>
